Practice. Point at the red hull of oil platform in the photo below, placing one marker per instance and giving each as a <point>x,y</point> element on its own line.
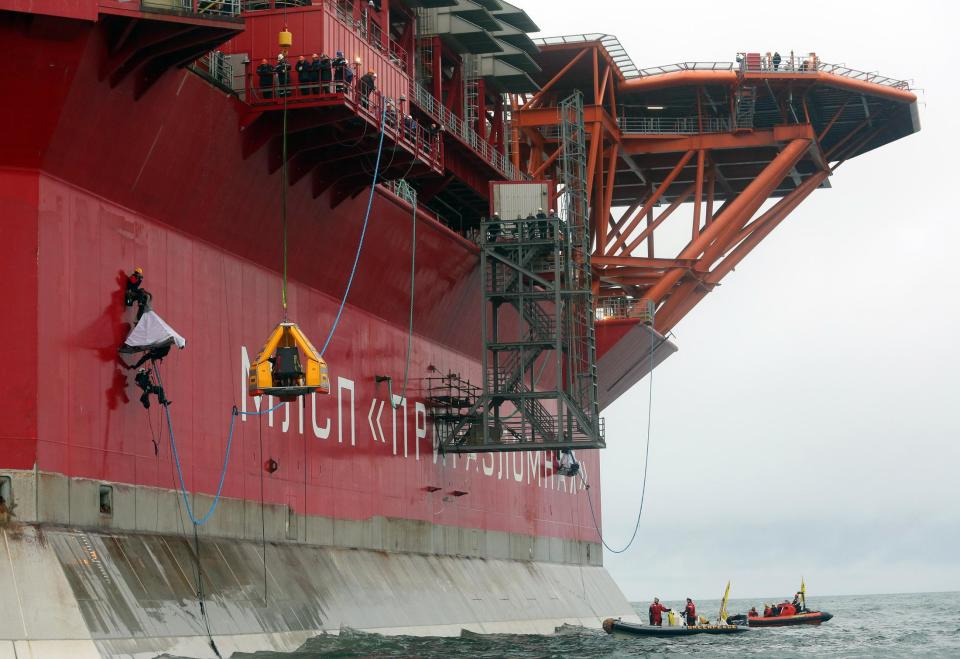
<point>98,182</point>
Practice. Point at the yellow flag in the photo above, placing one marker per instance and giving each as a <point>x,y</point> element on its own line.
<point>803,593</point>
<point>723,605</point>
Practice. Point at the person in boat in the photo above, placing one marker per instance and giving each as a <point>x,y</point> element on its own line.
<point>656,612</point>
<point>690,611</point>
<point>798,603</point>
<point>752,613</point>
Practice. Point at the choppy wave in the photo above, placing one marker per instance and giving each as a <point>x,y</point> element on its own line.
<point>926,625</point>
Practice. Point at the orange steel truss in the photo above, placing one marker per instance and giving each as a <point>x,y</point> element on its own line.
<point>729,148</point>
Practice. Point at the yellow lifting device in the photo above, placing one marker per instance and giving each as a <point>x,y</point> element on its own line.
<point>278,370</point>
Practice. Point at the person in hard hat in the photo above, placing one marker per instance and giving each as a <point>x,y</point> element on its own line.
<point>368,83</point>
<point>339,66</point>
<point>315,74</point>
<point>283,75</point>
<point>656,612</point>
<point>265,78</point>
<point>326,73</point>
<point>135,293</point>
<point>303,74</point>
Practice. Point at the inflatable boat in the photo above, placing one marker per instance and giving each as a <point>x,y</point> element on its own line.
<point>805,618</point>
<point>619,628</point>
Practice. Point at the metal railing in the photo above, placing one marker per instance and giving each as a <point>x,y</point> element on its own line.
<point>794,64</point>
<point>343,11</point>
<point>403,129</point>
<point>455,126</point>
<point>671,125</point>
<point>686,66</point>
<point>611,308</point>
<point>216,67</point>
<point>212,8</point>
<point>610,43</point>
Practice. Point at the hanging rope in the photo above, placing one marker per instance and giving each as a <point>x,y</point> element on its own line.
<point>646,463</point>
<point>363,233</point>
<point>283,191</point>
<point>412,196</point>
<point>234,413</point>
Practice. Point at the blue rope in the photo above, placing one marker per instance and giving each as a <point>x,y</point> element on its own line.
<point>363,233</point>
<point>234,413</point>
<point>272,409</point>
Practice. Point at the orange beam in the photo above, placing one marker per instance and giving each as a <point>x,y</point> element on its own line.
<point>698,194</point>
<point>786,206</point>
<point>688,294</point>
<point>603,221</point>
<point>677,79</point>
<point>546,163</point>
<point>650,240</point>
<point>836,115</point>
<point>596,137</point>
<point>637,144</point>
<point>681,198</point>
<point>569,65</point>
<point>515,134</point>
<point>695,78</point>
<point>603,86</point>
<point>711,184</point>
<point>642,262</point>
<point>651,201</point>
<point>550,116</point>
<point>736,214</point>
<point>596,75</point>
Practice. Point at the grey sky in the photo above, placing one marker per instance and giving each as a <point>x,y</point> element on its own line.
<point>809,424</point>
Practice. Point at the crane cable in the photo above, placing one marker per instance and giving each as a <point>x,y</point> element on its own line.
<point>646,463</point>
<point>413,282</point>
<point>283,191</point>
<point>363,233</point>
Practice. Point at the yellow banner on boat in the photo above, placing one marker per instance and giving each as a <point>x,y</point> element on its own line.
<point>723,604</point>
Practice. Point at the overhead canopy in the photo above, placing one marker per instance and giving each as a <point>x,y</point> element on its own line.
<point>151,332</point>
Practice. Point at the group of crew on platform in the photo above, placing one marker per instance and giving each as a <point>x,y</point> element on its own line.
<point>319,74</point>
<point>534,229</point>
<point>326,75</point>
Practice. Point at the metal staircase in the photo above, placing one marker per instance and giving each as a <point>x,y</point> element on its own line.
<point>539,389</point>
<point>746,106</point>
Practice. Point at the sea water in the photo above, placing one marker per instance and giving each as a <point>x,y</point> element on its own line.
<point>906,625</point>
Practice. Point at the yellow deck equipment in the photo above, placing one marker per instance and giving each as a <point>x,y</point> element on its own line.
<point>278,370</point>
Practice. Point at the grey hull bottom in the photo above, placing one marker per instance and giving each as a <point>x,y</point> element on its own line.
<point>74,593</point>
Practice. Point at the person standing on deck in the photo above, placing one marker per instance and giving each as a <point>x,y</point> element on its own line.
<point>339,66</point>
<point>656,612</point>
<point>265,75</point>
<point>303,74</point>
<point>283,75</point>
<point>776,61</point>
<point>368,82</point>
